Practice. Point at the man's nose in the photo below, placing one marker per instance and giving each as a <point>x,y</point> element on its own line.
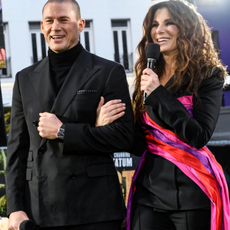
<point>56,25</point>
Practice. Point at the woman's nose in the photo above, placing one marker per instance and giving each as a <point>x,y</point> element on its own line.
<point>160,28</point>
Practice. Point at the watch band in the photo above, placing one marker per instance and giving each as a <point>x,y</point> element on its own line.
<point>61,132</point>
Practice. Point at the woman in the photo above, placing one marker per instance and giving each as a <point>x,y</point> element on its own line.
<point>178,184</point>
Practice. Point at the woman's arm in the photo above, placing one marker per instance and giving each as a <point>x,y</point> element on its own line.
<point>109,112</point>
<point>196,130</point>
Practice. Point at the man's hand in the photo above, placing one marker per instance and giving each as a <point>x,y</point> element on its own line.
<point>48,125</point>
<point>15,219</point>
<point>109,112</point>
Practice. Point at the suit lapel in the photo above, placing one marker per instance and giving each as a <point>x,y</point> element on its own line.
<point>81,71</point>
<point>42,83</point>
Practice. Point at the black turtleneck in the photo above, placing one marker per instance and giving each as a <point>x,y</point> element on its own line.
<point>61,63</point>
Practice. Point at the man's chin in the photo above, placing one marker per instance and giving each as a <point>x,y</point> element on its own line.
<point>58,48</point>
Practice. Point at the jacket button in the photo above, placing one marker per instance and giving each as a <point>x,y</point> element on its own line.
<point>35,123</point>
<point>72,175</point>
<point>41,150</point>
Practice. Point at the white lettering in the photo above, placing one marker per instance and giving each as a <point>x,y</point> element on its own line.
<point>116,162</point>
<point>121,154</point>
<point>129,162</point>
<point>123,162</point>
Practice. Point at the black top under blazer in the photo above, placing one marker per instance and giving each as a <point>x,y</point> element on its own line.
<point>160,183</point>
<point>72,182</point>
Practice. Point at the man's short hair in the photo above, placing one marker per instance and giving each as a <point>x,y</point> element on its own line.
<point>75,4</point>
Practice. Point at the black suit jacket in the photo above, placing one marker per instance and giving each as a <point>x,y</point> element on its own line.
<point>160,183</point>
<point>75,181</point>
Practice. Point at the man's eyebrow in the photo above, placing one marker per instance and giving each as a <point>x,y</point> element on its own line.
<point>47,17</point>
<point>61,17</point>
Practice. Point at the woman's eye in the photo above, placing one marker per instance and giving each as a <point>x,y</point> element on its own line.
<point>154,25</point>
<point>170,23</point>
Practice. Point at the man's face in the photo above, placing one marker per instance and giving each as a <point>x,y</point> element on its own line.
<point>60,26</point>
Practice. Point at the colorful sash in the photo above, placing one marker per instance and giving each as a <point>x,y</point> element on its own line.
<point>198,164</point>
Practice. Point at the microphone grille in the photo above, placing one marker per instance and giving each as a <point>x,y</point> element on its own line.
<point>153,51</point>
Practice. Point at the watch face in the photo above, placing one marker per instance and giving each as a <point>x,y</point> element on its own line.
<point>61,133</point>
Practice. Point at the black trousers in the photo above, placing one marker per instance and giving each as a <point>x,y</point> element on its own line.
<point>109,225</point>
<point>147,218</point>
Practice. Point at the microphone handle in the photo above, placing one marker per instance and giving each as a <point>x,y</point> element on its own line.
<point>150,65</point>
<point>27,225</point>
<point>144,97</point>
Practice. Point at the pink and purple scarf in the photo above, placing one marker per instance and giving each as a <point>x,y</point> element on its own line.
<point>198,164</point>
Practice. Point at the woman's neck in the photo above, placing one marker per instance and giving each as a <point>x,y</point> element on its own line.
<point>169,69</point>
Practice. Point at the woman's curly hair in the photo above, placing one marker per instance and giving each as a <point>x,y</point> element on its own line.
<point>196,56</point>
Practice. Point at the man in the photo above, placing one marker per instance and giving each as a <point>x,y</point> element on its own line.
<point>61,174</point>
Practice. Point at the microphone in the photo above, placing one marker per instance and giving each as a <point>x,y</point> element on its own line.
<point>27,225</point>
<point>152,54</point>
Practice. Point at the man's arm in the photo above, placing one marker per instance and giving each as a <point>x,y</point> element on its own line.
<point>17,152</point>
<point>106,113</point>
<point>117,136</point>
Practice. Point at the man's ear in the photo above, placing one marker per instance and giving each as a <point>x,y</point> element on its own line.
<point>81,25</point>
<point>42,27</point>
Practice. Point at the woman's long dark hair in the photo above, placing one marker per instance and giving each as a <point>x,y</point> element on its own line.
<point>196,57</point>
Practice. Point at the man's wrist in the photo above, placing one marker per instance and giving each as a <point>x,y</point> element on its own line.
<point>61,132</point>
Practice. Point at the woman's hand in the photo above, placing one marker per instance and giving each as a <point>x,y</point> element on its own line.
<point>149,81</point>
<point>123,224</point>
<point>109,112</point>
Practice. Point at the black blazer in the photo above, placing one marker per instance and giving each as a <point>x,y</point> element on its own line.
<point>160,183</point>
<point>72,182</point>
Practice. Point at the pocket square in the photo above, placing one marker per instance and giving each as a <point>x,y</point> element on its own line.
<point>86,91</point>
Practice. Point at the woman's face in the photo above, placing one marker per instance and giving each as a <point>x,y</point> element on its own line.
<point>164,32</point>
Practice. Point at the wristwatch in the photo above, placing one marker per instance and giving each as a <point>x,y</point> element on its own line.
<point>61,132</point>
